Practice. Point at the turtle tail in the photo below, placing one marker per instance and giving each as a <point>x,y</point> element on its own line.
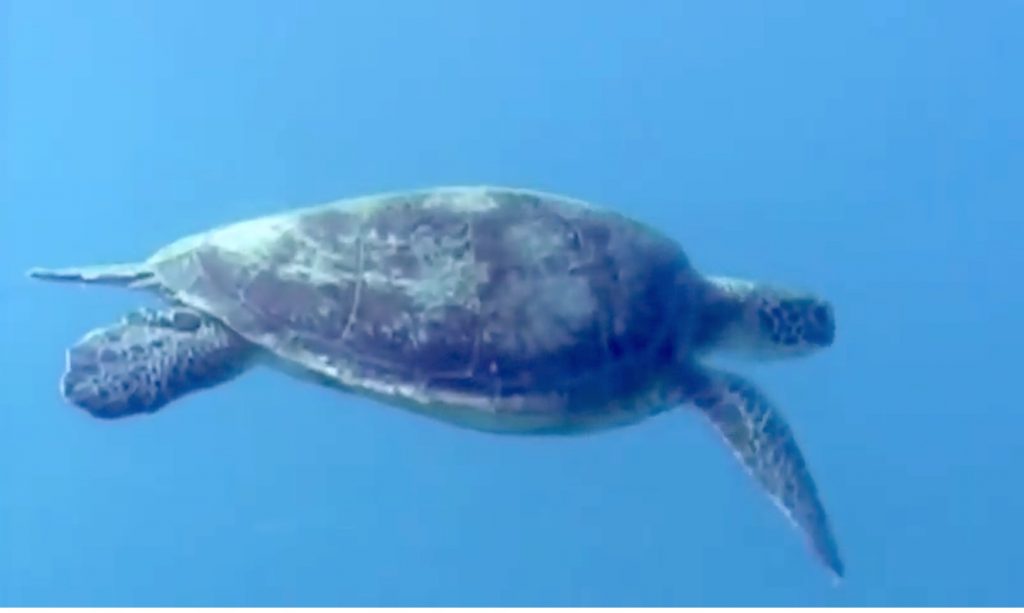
<point>121,275</point>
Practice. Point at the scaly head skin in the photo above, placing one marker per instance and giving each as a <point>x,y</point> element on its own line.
<point>765,322</point>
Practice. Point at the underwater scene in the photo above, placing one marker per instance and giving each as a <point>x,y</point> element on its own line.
<point>468,303</point>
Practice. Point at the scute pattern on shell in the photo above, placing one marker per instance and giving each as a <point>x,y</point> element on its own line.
<point>475,293</point>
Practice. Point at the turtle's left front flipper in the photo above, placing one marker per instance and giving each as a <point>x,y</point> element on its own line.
<point>763,442</point>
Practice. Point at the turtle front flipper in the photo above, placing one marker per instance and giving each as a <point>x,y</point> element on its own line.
<point>150,358</point>
<point>763,442</point>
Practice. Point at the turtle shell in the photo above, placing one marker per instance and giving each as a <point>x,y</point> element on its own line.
<point>485,300</point>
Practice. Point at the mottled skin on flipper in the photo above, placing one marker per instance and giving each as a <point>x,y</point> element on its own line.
<point>764,444</point>
<point>151,358</point>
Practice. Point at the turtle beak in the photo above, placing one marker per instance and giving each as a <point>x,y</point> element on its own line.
<point>820,325</point>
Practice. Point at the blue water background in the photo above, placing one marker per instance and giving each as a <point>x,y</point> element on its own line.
<point>870,151</point>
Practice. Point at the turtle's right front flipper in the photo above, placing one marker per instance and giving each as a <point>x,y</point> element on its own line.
<point>150,358</point>
<point>763,442</point>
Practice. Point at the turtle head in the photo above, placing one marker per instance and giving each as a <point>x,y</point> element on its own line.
<point>765,321</point>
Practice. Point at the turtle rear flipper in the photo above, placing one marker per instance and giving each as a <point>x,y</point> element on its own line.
<point>125,275</point>
<point>150,358</point>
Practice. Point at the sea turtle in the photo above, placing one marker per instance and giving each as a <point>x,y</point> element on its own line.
<point>497,309</point>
